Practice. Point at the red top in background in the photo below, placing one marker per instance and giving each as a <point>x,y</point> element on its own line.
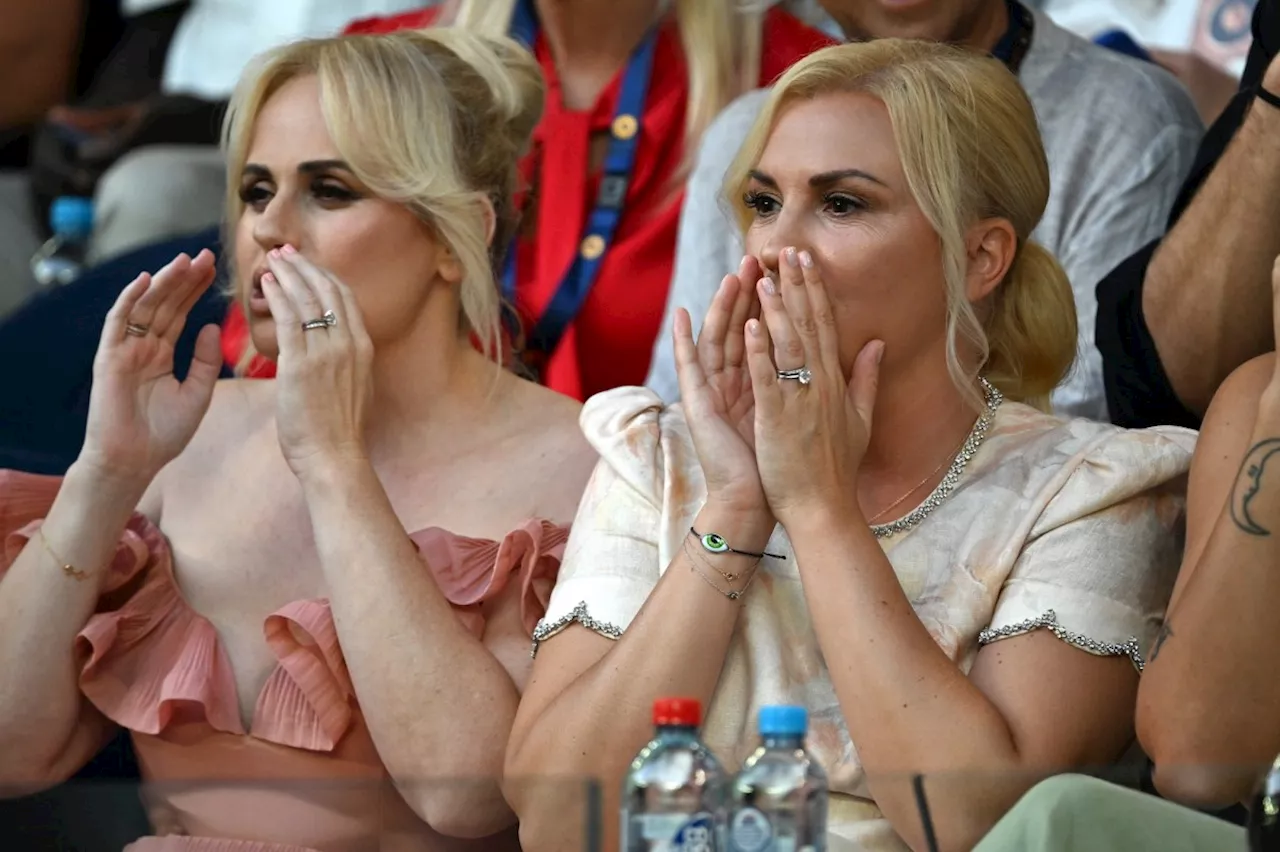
<point>610,342</point>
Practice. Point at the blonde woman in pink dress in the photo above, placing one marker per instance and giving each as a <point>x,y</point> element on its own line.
<point>310,600</point>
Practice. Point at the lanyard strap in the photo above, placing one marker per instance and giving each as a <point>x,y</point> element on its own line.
<point>1013,45</point>
<point>602,222</point>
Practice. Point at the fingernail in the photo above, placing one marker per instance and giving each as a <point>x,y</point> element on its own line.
<point>768,285</point>
<point>753,327</point>
<point>268,278</point>
<point>806,259</point>
<point>789,255</point>
<point>274,253</point>
<point>879,353</point>
<point>288,249</point>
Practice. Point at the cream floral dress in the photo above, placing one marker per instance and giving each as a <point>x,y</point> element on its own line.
<point>1071,526</point>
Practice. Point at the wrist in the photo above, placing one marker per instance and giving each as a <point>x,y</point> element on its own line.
<point>823,519</point>
<point>331,476</point>
<point>745,526</point>
<point>1263,120</point>
<point>106,483</point>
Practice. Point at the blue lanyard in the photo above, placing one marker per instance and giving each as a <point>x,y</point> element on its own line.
<point>602,223</point>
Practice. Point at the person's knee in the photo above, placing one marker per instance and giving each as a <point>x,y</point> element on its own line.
<point>154,193</point>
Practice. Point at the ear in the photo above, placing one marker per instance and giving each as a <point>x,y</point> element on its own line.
<point>449,267</point>
<point>490,220</point>
<point>990,247</point>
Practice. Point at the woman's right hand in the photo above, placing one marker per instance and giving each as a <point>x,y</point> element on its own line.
<point>140,416</point>
<point>715,388</point>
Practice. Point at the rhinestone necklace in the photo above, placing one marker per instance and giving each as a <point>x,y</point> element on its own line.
<point>970,447</point>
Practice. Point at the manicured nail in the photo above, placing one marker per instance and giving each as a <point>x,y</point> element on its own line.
<point>789,255</point>
<point>274,253</point>
<point>288,249</point>
<point>768,285</point>
<point>268,278</point>
<point>806,260</point>
<point>753,327</point>
<point>879,353</point>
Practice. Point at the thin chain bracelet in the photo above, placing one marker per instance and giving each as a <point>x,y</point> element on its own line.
<point>67,568</point>
<point>729,576</point>
<point>731,594</point>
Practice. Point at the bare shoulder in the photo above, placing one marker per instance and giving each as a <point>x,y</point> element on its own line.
<point>553,441</point>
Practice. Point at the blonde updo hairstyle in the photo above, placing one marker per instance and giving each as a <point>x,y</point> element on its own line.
<point>433,119</point>
<point>971,150</point>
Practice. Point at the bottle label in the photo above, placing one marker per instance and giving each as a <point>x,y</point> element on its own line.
<point>750,831</point>
<point>678,832</point>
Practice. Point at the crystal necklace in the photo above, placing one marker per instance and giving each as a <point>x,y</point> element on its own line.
<point>967,451</point>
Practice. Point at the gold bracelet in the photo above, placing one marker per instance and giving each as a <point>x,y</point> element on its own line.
<point>729,576</point>
<point>67,568</point>
<point>731,594</point>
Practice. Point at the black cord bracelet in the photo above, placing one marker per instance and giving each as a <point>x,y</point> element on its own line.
<point>715,543</point>
<point>1269,97</point>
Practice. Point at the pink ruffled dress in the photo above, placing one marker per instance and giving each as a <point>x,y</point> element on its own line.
<point>305,775</point>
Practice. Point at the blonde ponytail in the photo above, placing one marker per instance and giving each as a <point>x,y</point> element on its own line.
<point>1031,328</point>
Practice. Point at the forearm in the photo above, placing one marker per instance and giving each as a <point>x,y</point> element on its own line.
<point>1209,697</point>
<point>675,646</point>
<point>42,608</point>
<point>907,706</point>
<point>1208,284</point>
<point>438,704</point>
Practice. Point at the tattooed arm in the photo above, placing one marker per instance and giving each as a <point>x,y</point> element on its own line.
<point>1209,701</point>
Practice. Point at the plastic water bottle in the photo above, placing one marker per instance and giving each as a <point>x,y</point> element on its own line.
<point>1264,813</point>
<point>673,799</point>
<point>778,802</point>
<point>61,258</point>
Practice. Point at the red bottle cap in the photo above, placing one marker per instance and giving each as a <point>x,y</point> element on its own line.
<point>677,711</point>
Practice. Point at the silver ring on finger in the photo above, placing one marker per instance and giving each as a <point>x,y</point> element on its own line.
<point>799,374</point>
<point>137,329</point>
<point>327,320</point>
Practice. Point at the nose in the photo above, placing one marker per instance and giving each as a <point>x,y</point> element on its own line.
<point>274,226</point>
<point>783,232</point>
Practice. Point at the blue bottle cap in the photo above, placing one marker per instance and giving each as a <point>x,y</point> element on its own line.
<point>783,720</point>
<point>72,216</point>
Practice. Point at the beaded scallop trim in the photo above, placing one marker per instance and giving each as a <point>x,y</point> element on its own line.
<point>546,629</point>
<point>952,478</point>
<point>1049,621</point>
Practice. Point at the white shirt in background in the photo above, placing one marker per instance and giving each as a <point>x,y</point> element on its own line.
<point>1216,30</point>
<point>217,38</point>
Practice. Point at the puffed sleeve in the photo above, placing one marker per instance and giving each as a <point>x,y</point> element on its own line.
<point>646,482</point>
<point>1098,565</point>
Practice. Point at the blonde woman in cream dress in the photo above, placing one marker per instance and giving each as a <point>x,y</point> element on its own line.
<point>953,582</point>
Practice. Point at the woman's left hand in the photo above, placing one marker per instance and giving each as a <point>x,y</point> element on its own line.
<point>323,383</point>
<point>810,437</point>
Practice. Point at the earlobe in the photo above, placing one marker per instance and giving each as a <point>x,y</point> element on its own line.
<point>992,245</point>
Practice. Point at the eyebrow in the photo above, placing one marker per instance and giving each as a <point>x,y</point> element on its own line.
<point>822,178</point>
<point>310,167</point>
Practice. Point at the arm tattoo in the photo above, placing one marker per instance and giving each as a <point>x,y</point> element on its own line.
<point>1165,632</point>
<point>1249,483</point>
